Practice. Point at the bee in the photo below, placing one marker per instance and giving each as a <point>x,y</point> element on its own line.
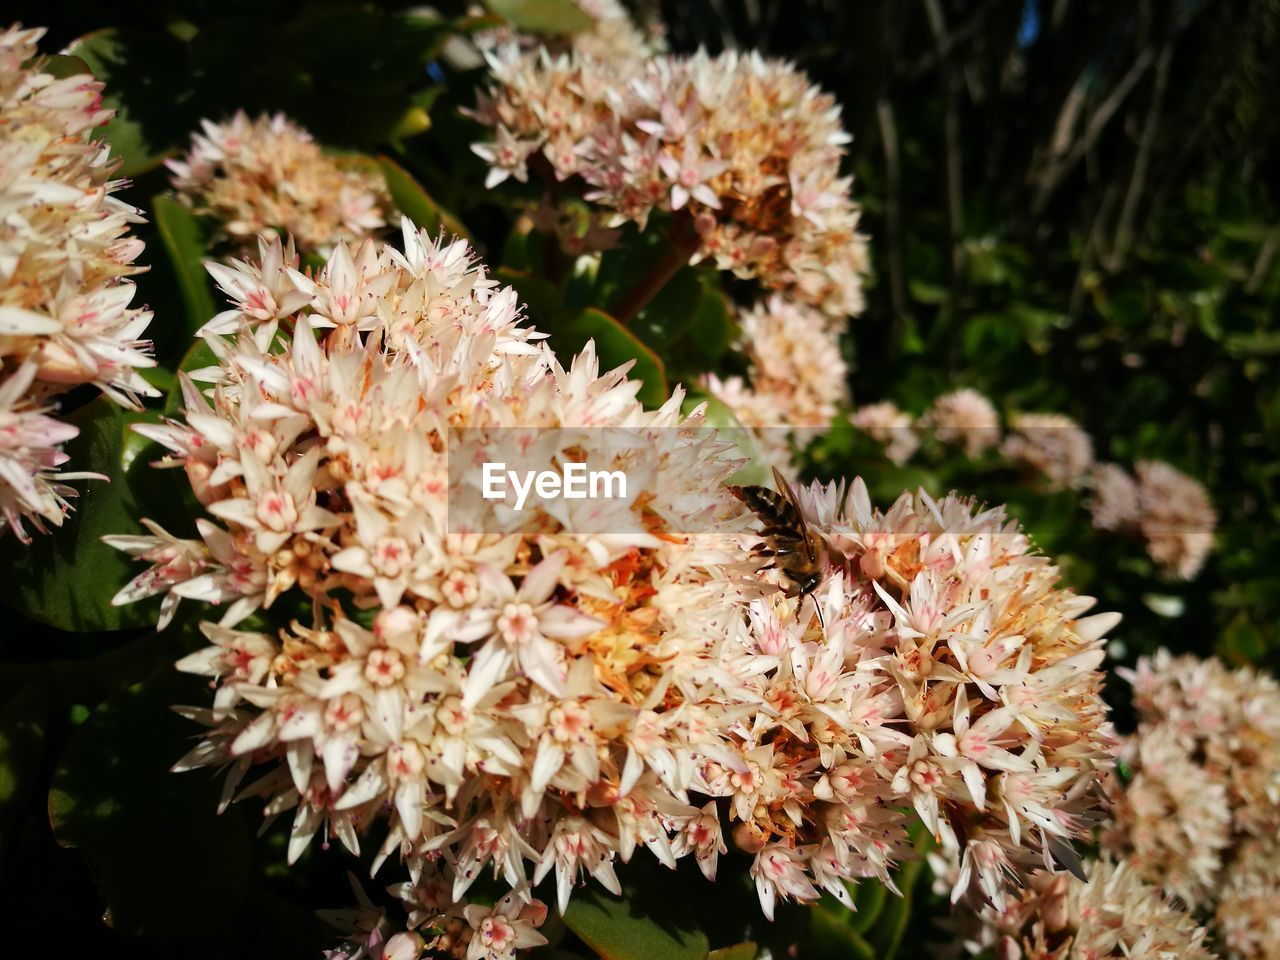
<point>797,551</point>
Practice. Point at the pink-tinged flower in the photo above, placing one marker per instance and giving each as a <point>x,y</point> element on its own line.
<point>1176,517</point>
<point>797,377</point>
<point>509,925</point>
<point>743,146</point>
<point>894,428</point>
<point>780,870</point>
<point>1113,498</point>
<point>965,417</point>
<point>1051,444</point>
<point>522,625</point>
<point>268,174</point>
<point>65,254</point>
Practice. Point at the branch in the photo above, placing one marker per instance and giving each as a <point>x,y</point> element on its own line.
<point>892,206</point>
<point>950,82</point>
<point>1142,162</point>
<point>683,243</point>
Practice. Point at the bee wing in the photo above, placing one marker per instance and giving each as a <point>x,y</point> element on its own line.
<point>788,491</point>
<point>785,488</point>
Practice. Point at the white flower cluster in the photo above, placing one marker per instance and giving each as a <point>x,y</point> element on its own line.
<point>1113,912</point>
<point>546,703</point>
<point>1200,816</point>
<point>741,149</point>
<point>268,174</point>
<point>65,252</point>
<point>796,380</point>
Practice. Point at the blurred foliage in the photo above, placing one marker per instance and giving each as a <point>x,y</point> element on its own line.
<point>1073,208</point>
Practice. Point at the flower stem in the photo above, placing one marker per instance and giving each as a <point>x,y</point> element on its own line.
<point>682,242</point>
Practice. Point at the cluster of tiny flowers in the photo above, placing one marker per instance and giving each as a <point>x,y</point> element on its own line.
<point>1113,913</point>
<point>1051,444</point>
<point>796,380</point>
<point>1200,814</point>
<point>948,674</point>
<point>544,703</point>
<point>886,423</point>
<point>964,417</point>
<point>437,925</point>
<point>614,37</point>
<point>65,252</point>
<point>1168,509</point>
<point>742,150</point>
<point>268,174</point>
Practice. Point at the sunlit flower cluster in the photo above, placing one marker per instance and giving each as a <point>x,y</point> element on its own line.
<point>65,252</point>
<point>1201,809</point>
<point>526,704</point>
<point>268,174</point>
<point>796,380</point>
<point>1116,913</point>
<point>1051,444</point>
<point>741,150</point>
<point>947,674</point>
<point>546,702</point>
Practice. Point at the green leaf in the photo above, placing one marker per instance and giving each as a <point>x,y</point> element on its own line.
<point>869,897</point>
<point>550,17</point>
<point>23,720</point>
<point>615,345</point>
<point>886,936</point>
<point>412,199</point>
<point>67,578</point>
<point>639,926</point>
<point>184,242</point>
<point>61,65</point>
<point>739,951</point>
<point>713,327</point>
<point>830,937</point>
<point>167,864</point>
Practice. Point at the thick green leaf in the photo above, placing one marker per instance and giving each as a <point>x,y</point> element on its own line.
<point>412,199</point>
<point>643,925</point>
<point>67,578</point>
<point>549,17</point>
<point>615,345</point>
<point>713,328</point>
<point>830,938</point>
<point>61,65</point>
<point>184,242</point>
<point>167,864</point>
<point>739,951</point>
